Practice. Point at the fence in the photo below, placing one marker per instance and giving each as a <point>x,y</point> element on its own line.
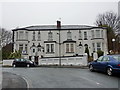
<point>78,60</point>
<point>82,61</point>
<point>7,62</point>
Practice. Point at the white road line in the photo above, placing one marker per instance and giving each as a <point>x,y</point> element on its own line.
<point>28,86</point>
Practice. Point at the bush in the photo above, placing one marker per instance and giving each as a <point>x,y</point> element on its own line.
<point>15,54</point>
<point>90,59</point>
<point>100,53</point>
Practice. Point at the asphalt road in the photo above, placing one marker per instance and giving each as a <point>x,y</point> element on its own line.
<point>11,80</point>
<point>64,78</point>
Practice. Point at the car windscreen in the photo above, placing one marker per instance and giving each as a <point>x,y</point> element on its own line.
<point>116,58</point>
<point>17,59</point>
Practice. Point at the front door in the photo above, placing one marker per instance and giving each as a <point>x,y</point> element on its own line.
<point>36,59</point>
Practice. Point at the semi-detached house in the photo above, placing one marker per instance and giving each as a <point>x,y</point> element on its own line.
<point>59,40</point>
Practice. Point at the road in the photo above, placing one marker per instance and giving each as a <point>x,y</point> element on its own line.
<point>11,80</point>
<point>64,78</point>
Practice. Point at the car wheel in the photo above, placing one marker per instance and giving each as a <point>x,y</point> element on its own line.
<point>109,71</point>
<point>28,65</point>
<point>91,68</point>
<point>14,65</point>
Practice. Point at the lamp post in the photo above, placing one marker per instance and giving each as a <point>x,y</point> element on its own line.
<point>59,28</point>
<point>113,44</point>
<point>59,50</point>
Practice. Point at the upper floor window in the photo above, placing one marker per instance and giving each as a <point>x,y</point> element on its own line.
<point>39,35</point>
<point>50,36</point>
<point>80,34</point>
<point>69,35</point>
<point>85,35</point>
<point>33,35</point>
<point>16,35</point>
<point>92,33</point>
<point>21,35</point>
<point>98,33</point>
<point>26,35</point>
<point>102,33</point>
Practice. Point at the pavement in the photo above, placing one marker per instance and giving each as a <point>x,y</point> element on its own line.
<point>53,66</point>
<point>11,80</point>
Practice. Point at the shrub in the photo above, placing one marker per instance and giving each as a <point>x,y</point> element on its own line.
<point>100,53</point>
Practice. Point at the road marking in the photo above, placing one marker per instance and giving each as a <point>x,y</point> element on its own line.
<point>28,86</point>
<point>97,83</point>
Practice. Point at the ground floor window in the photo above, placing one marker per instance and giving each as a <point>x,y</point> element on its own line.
<point>98,46</point>
<point>93,44</point>
<point>49,48</point>
<point>21,47</point>
<point>26,48</point>
<point>70,48</point>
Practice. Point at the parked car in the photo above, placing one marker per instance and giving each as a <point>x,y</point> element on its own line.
<point>109,64</point>
<point>23,62</point>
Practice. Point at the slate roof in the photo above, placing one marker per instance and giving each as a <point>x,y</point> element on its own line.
<point>54,27</point>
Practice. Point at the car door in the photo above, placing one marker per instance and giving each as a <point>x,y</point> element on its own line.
<point>103,64</point>
<point>22,62</point>
<point>17,62</point>
<point>97,63</point>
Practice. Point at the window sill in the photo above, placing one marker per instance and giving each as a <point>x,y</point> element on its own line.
<point>69,52</point>
<point>85,39</point>
<point>25,54</point>
<point>97,38</point>
<point>50,52</point>
<point>21,40</point>
<point>38,40</point>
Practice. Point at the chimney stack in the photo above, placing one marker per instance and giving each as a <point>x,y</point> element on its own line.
<point>58,24</point>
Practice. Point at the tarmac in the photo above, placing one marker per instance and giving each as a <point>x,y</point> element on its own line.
<point>12,81</point>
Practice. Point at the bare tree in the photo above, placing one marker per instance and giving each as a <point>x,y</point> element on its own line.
<point>109,19</point>
<point>5,37</point>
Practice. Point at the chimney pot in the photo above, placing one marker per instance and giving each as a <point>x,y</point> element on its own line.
<point>58,24</point>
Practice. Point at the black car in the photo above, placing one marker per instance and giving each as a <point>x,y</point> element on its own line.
<point>23,63</point>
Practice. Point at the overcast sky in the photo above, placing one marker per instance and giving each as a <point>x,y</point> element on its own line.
<point>22,14</point>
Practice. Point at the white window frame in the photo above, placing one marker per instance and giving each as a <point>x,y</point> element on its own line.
<point>39,36</point>
<point>21,35</point>
<point>98,47</point>
<point>85,35</point>
<point>20,47</point>
<point>69,47</point>
<point>98,34</point>
<point>80,35</point>
<point>50,48</point>
<point>33,35</point>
